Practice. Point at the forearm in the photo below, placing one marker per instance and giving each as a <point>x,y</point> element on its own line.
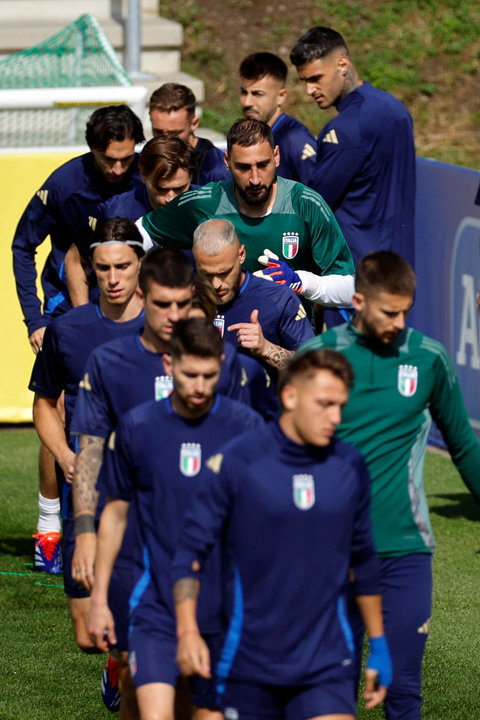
<point>113,523</point>
<point>185,595</point>
<point>370,607</point>
<point>327,289</point>
<point>76,277</point>
<point>275,355</point>
<point>85,495</point>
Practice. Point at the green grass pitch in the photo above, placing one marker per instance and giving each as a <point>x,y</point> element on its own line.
<point>45,677</point>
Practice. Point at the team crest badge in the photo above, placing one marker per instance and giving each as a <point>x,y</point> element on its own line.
<point>190,459</point>
<point>290,243</point>
<point>407,380</point>
<point>219,323</point>
<point>303,491</point>
<point>163,386</point>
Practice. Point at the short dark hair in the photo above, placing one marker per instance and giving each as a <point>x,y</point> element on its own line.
<point>112,123</point>
<point>204,296</point>
<point>317,43</point>
<point>165,266</point>
<point>311,362</point>
<point>173,96</point>
<point>162,156</point>
<point>259,64</point>
<point>384,271</point>
<point>195,336</point>
<point>117,230</point>
<point>249,132</point>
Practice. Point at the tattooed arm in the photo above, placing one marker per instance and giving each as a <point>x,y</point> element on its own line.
<point>193,656</point>
<point>250,336</point>
<point>85,498</point>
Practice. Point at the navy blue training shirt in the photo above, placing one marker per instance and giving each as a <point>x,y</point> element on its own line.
<point>61,209</point>
<point>294,519</point>
<point>365,170</point>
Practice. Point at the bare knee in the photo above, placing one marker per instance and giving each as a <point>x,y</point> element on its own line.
<point>155,701</point>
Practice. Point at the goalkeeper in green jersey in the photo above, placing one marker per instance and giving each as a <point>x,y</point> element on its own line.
<point>286,218</point>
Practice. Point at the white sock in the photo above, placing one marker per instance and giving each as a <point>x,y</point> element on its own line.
<point>48,514</point>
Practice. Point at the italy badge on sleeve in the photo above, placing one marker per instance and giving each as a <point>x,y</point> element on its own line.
<point>407,380</point>
<point>190,459</point>
<point>290,243</point>
<point>303,491</point>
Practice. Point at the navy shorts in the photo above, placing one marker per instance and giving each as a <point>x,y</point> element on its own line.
<point>332,693</point>
<point>152,658</point>
<point>119,591</point>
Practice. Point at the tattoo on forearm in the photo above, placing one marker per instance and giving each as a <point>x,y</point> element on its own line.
<point>278,356</point>
<point>87,466</point>
<point>185,589</point>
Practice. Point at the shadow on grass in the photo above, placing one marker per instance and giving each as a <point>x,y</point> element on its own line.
<point>21,548</point>
<point>462,505</point>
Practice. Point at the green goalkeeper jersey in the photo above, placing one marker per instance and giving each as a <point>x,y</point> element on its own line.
<point>301,228</point>
<point>398,388</point>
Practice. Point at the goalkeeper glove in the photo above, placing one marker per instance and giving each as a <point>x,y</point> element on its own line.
<point>279,271</point>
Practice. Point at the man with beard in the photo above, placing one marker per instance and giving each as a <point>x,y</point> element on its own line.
<point>403,379</point>
<point>263,77</point>
<point>263,319</point>
<point>292,220</point>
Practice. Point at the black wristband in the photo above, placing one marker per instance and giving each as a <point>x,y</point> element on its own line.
<point>84,523</point>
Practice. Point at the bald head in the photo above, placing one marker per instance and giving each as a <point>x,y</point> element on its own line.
<point>219,256</point>
<point>213,236</point>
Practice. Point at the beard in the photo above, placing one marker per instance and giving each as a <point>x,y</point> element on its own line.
<point>258,195</point>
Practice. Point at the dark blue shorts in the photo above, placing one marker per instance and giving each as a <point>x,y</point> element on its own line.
<point>332,693</point>
<point>119,591</point>
<point>152,658</point>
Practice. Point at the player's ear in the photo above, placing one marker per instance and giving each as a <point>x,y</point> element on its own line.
<point>288,397</point>
<point>139,293</point>
<point>226,160</point>
<point>343,63</point>
<point>194,124</point>
<point>281,97</point>
<point>242,254</point>
<point>276,155</point>
<point>358,302</point>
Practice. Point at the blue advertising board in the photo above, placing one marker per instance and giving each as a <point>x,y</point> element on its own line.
<point>447,263</point>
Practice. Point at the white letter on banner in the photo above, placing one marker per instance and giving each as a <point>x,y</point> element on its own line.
<point>468,327</point>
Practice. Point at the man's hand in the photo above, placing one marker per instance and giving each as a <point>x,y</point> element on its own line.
<point>83,563</point>
<point>67,463</point>
<point>279,271</point>
<point>36,339</point>
<point>193,656</point>
<point>101,626</point>
<point>250,335</point>
<point>378,673</point>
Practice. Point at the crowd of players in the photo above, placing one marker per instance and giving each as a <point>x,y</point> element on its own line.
<point>197,434</point>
